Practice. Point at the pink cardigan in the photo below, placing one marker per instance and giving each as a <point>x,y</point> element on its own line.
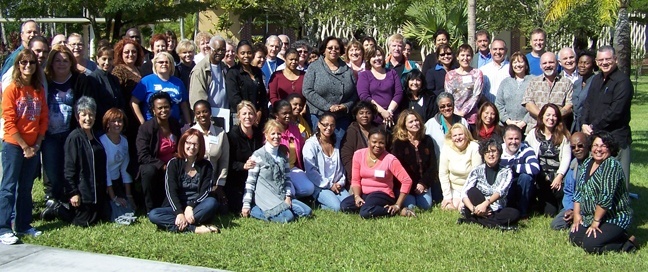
<point>379,178</point>
<point>292,132</point>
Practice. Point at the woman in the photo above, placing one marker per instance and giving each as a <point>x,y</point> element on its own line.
<point>440,125</point>
<point>440,37</point>
<point>245,82</point>
<point>459,156</point>
<point>381,87</point>
<point>156,145</point>
<point>188,183</point>
<point>329,85</point>
<point>118,182</point>
<point>85,183</point>
<point>417,97</point>
<point>244,138</point>
<point>357,137</point>
<point>286,81</point>
<point>25,122</point>
<point>202,41</point>
<point>602,213</point>
<point>128,56</point>
<point>465,84</point>
<point>163,80</point>
<point>485,191</point>
<point>549,140</point>
<point>298,104</point>
<point>185,52</point>
<point>511,91</point>
<point>158,45</point>
<point>488,123</point>
<point>323,166</point>
<point>303,49</point>
<point>415,151</point>
<point>230,54</point>
<point>374,170</point>
<point>216,147</point>
<point>292,139</point>
<point>586,68</point>
<point>260,53</point>
<point>436,75</point>
<point>76,45</point>
<point>268,182</point>
<point>107,88</point>
<point>355,57</point>
<point>172,43</point>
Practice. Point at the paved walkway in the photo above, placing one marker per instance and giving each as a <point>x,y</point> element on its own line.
<point>25,257</point>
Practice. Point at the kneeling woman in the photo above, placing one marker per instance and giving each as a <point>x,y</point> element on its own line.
<point>189,179</point>
<point>372,180</point>
<point>484,194</point>
<point>268,183</point>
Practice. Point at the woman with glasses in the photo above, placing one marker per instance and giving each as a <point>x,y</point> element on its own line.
<point>76,45</point>
<point>435,77</point>
<point>158,44</point>
<point>438,126</point>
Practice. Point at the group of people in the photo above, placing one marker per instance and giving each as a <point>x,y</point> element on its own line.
<point>355,128</point>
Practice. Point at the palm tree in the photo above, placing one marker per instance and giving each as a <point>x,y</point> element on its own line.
<point>425,17</point>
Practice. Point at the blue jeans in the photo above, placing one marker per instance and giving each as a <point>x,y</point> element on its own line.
<point>329,200</point>
<point>521,193</point>
<point>53,164</point>
<point>165,218</point>
<point>16,187</point>
<point>298,209</point>
<point>341,125</point>
<point>423,201</point>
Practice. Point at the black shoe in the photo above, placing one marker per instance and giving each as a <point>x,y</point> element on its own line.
<point>50,211</point>
<point>461,220</point>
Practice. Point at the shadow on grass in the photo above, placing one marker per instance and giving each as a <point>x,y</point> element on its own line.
<point>639,154</point>
<point>640,217</point>
<point>226,221</point>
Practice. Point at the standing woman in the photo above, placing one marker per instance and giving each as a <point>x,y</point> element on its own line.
<point>230,53</point>
<point>436,75</point>
<point>381,87</point>
<point>549,141</point>
<point>329,85</point>
<point>244,138</point>
<point>185,51</point>
<point>158,44</point>
<point>202,41</point>
<point>268,182</point>
<point>465,84</point>
<point>417,97</point>
<point>488,123</point>
<point>511,92</point>
<point>355,57</point>
<point>323,166</point>
<point>586,68</point>
<point>459,156</point>
<point>156,144</point>
<point>303,49</point>
<point>259,50</point>
<point>439,126</point>
<point>374,170</point>
<point>25,117</point>
<point>172,44</point>
<point>287,81</point>
<point>216,147</point>
<point>245,82</point>
<point>415,151</point>
<point>107,90</point>
<point>440,37</point>
<point>188,206</point>
<point>357,136</point>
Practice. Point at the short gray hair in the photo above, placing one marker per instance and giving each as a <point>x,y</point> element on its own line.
<point>300,44</point>
<point>86,104</point>
<point>445,95</point>
<point>607,48</point>
<point>272,38</point>
<point>215,39</point>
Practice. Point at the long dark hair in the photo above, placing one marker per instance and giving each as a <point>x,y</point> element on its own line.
<point>559,130</point>
<point>414,74</point>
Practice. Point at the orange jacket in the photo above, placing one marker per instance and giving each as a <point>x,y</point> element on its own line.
<point>24,111</point>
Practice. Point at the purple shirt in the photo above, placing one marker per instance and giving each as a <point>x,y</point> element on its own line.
<point>382,91</point>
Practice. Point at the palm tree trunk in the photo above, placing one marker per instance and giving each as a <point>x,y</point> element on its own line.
<point>621,39</point>
<point>471,23</point>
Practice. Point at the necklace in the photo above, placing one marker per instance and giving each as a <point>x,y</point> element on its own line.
<point>373,160</point>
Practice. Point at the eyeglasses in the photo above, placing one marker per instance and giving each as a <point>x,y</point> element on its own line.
<point>444,106</point>
<point>491,151</point>
<point>599,146</point>
<point>327,125</point>
<point>302,51</point>
<point>162,62</point>
<point>191,144</point>
<point>25,62</point>
<point>333,48</point>
<point>577,146</point>
<point>76,44</point>
<point>445,54</point>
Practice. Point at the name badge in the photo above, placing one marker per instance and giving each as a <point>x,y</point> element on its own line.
<point>379,173</point>
<point>212,139</point>
<point>157,87</point>
<point>466,79</point>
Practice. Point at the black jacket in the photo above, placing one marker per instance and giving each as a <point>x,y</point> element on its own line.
<point>84,170</point>
<point>429,105</point>
<point>239,86</point>
<point>148,141</point>
<point>425,173</point>
<point>173,185</point>
<point>241,148</point>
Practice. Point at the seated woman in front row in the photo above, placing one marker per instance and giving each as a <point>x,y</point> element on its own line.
<point>459,156</point>
<point>268,182</point>
<point>372,180</point>
<point>189,179</point>
<point>484,194</point>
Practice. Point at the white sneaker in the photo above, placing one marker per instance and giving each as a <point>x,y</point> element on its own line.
<point>9,238</point>
<point>33,232</point>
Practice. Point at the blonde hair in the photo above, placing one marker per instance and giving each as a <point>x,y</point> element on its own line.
<point>394,38</point>
<point>467,134</point>
<point>400,130</point>
<point>185,45</point>
<point>272,124</point>
<point>168,57</point>
<point>244,104</point>
<point>202,36</point>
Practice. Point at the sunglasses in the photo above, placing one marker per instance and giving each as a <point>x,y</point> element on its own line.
<point>25,62</point>
<point>577,145</point>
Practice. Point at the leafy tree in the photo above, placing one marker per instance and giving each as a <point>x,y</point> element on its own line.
<point>425,17</point>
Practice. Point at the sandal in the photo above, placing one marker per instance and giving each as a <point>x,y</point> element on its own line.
<point>213,229</point>
<point>407,212</point>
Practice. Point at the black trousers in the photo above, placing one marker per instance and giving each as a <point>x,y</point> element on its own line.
<point>549,200</point>
<point>374,205</point>
<point>152,186</point>
<point>504,217</point>
<point>611,238</point>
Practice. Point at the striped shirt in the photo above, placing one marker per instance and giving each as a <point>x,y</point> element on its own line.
<point>524,161</point>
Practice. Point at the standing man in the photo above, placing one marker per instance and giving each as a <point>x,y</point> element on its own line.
<point>521,158</point>
<point>28,30</point>
<point>495,71</point>
<point>396,59</point>
<point>135,35</point>
<point>607,106</point>
<point>567,59</point>
<point>285,44</point>
<point>208,77</point>
<point>483,55</point>
<point>538,36</point>
<point>273,45</point>
<point>550,87</point>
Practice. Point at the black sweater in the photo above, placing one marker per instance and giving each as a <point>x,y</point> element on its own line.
<point>148,141</point>
<point>85,167</point>
<point>176,197</point>
<point>425,173</point>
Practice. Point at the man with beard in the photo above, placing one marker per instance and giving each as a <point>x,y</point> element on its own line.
<point>580,147</point>
<point>521,158</point>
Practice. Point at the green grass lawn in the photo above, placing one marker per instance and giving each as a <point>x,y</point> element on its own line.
<point>342,242</point>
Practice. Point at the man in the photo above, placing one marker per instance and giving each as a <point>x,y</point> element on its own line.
<point>396,60</point>
<point>483,55</point>
<point>567,59</point>
<point>136,35</point>
<point>28,30</point>
<point>547,88</point>
<point>407,51</point>
<point>521,158</point>
<point>285,44</point>
<point>607,106</point>
<point>495,71</point>
<point>58,39</point>
<point>580,147</point>
<point>76,45</point>
<point>208,77</point>
<point>538,36</point>
<point>273,45</point>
